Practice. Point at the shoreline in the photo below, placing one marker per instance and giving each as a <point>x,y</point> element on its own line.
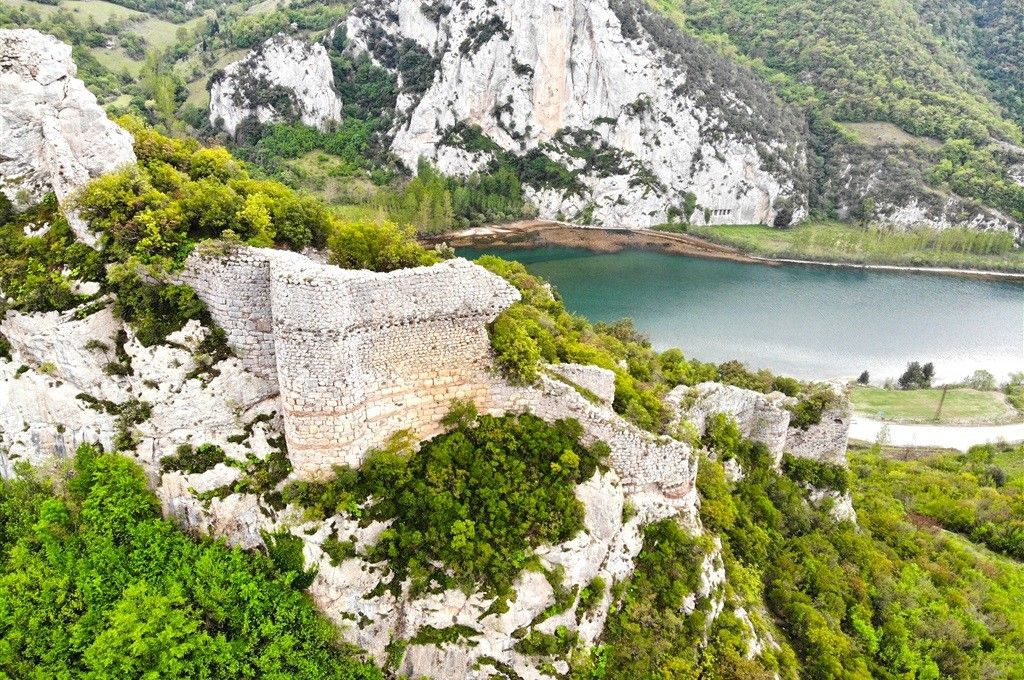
<point>541,233</point>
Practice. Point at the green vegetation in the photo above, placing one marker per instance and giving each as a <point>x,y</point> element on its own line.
<point>32,267</point>
<point>979,495</point>
<point>475,500</point>
<point>961,405</point>
<point>879,61</point>
<point>539,328</point>
<point>191,459</point>
<point>890,598</point>
<point>93,583</point>
<point>836,241</point>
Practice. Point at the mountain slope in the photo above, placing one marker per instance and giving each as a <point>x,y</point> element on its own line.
<point>880,61</point>
<point>640,114</point>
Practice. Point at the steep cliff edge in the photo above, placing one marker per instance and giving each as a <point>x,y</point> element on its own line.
<point>650,123</point>
<point>54,137</point>
<point>281,80</point>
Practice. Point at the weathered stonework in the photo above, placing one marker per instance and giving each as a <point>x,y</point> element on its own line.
<point>597,381</point>
<point>827,441</point>
<point>761,417</point>
<point>764,418</point>
<point>358,356</point>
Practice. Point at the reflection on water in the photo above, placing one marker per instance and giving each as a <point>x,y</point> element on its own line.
<point>810,322</point>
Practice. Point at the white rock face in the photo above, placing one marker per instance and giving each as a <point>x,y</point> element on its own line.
<point>760,417</point>
<point>641,120</point>
<point>281,80</point>
<point>53,134</point>
<point>57,401</point>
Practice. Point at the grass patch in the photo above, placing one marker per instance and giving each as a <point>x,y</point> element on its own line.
<point>962,405</point>
<point>843,242</point>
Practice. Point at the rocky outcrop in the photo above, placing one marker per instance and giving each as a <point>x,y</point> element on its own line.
<point>54,136</point>
<point>282,80</point>
<point>888,185</point>
<point>760,417</point>
<point>640,114</point>
<point>764,418</point>
<point>70,380</point>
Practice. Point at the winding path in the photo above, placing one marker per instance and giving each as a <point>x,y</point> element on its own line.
<point>960,437</point>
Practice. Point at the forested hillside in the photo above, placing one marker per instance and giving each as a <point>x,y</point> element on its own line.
<point>941,71</point>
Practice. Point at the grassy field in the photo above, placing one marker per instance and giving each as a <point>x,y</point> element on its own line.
<point>964,406</point>
<point>841,242</point>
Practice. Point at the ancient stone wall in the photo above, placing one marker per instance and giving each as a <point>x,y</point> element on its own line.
<point>359,356</point>
<point>236,290</point>
<point>597,381</point>
<point>764,418</point>
<point>643,461</point>
<point>826,442</point>
<point>760,417</point>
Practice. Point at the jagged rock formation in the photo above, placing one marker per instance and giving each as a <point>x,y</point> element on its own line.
<point>54,137</point>
<point>281,80</point>
<point>642,114</point>
<point>60,390</point>
<point>764,418</point>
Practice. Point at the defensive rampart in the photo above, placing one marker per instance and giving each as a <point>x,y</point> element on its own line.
<point>359,356</point>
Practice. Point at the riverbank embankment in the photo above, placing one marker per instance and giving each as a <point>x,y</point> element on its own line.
<point>541,233</point>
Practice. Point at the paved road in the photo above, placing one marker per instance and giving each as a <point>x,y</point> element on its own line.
<point>960,437</point>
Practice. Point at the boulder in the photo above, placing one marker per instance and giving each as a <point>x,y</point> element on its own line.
<point>55,136</point>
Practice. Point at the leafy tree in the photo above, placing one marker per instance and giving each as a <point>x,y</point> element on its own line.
<point>94,583</point>
<point>476,500</point>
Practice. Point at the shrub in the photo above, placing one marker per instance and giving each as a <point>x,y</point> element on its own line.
<point>475,500</point>
<point>380,247</point>
<point>193,460</point>
<point>140,598</point>
<point>811,405</point>
<point>816,473</point>
<point>516,353</point>
<point>154,311</point>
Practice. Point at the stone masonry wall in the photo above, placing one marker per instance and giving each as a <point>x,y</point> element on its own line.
<point>360,356</point>
<point>826,442</point>
<point>236,290</point>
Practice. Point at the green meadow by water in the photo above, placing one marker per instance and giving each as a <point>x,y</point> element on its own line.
<point>810,322</point>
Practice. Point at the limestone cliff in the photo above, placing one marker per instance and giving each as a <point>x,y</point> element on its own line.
<point>893,180</point>
<point>334,374</point>
<point>641,114</point>
<point>54,137</point>
<point>281,80</point>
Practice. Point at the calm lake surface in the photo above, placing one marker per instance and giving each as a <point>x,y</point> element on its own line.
<point>809,322</point>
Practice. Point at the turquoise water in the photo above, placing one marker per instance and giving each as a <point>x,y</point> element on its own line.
<point>810,322</point>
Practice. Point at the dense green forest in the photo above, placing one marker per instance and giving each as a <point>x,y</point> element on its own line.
<point>886,61</point>
<point>94,583</point>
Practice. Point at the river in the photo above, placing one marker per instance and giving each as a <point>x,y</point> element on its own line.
<point>809,322</point>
